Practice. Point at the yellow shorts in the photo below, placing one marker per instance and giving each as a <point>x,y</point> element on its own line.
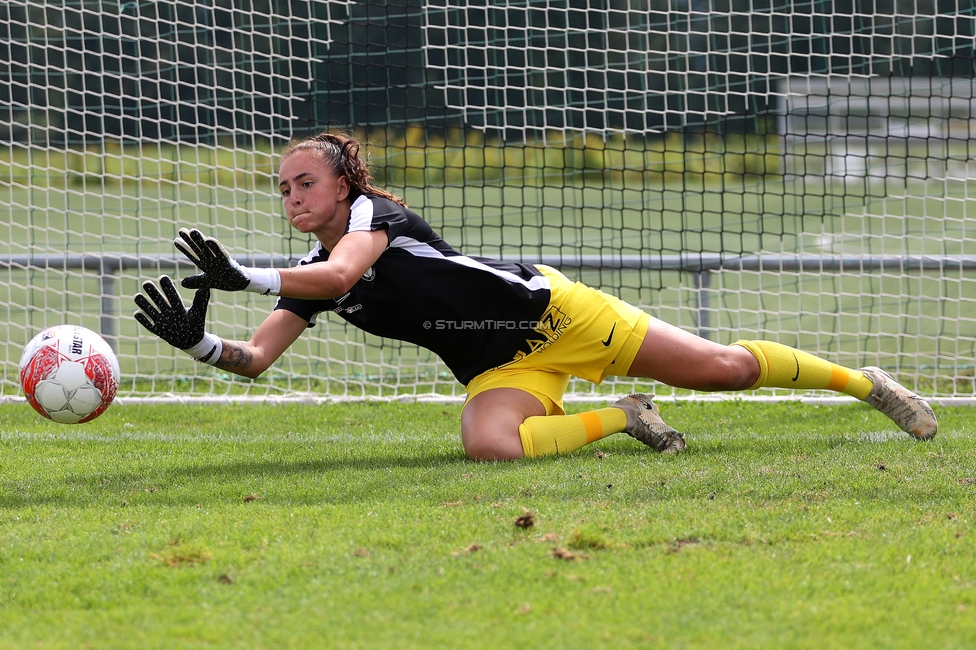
<point>590,334</point>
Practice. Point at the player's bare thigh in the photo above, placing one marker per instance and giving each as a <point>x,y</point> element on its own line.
<point>490,423</point>
<point>678,358</point>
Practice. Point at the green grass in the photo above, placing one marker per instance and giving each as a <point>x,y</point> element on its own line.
<point>362,525</point>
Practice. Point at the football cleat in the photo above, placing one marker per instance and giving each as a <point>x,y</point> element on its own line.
<point>645,424</point>
<point>905,408</point>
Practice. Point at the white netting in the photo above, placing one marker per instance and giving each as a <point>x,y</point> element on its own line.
<point>800,172</point>
<point>634,67</point>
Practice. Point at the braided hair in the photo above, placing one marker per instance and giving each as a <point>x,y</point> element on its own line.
<point>340,153</point>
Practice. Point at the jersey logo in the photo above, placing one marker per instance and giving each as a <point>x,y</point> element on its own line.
<point>345,310</point>
<point>553,323</point>
<point>606,343</point>
<point>370,274</point>
<point>548,329</point>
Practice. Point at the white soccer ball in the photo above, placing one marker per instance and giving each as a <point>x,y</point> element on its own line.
<point>69,374</point>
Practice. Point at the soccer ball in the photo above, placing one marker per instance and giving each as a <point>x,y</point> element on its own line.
<point>69,374</point>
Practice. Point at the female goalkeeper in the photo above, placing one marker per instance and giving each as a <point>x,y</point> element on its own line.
<point>511,333</point>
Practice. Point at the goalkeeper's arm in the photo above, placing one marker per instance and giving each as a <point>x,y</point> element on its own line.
<point>161,311</point>
<point>348,260</point>
<point>250,358</point>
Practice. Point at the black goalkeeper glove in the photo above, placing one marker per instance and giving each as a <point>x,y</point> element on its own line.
<point>163,314</point>
<point>220,270</point>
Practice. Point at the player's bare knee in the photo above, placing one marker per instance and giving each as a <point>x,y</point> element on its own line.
<point>483,453</point>
<point>740,368</point>
<point>490,430</point>
<point>487,439</point>
<point>474,446</point>
<point>486,447</point>
<point>735,369</point>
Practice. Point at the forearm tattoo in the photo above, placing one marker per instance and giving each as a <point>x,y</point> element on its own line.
<point>235,357</point>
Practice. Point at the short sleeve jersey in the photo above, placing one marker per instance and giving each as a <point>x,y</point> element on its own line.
<point>474,313</point>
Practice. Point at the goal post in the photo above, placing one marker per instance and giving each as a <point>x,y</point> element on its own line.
<point>800,172</point>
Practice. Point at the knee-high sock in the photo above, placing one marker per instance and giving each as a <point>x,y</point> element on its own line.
<point>562,434</point>
<point>786,367</point>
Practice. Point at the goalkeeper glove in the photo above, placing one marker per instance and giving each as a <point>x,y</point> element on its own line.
<point>220,270</point>
<point>163,314</point>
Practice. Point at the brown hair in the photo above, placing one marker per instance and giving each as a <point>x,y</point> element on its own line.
<point>340,153</point>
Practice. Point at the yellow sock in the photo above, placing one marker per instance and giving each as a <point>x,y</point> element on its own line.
<point>786,367</point>
<point>562,434</point>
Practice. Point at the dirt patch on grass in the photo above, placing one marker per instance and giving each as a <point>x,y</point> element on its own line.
<point>178,555</point>
<point>525,520</point>
<point>677,545</point>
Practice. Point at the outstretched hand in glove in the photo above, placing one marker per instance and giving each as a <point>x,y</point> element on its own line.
<point>161,311</point>
<point>219,269</point>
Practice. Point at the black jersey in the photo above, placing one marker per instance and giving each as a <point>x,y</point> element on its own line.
<point>474,313</point>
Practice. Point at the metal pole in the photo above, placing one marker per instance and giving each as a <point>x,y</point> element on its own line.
<point>703,300</point>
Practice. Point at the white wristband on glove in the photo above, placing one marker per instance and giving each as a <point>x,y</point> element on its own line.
<point>267,282</point>
<point>207,350</point>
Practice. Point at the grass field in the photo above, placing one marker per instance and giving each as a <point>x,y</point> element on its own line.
<point>362,525</point>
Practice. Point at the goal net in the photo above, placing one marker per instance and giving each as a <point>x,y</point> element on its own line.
<point>798,172</point>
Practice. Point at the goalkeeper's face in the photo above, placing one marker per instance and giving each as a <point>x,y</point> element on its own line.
<point>316,200</point>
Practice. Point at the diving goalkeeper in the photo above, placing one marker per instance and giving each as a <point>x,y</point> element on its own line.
<point>513,334</point>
